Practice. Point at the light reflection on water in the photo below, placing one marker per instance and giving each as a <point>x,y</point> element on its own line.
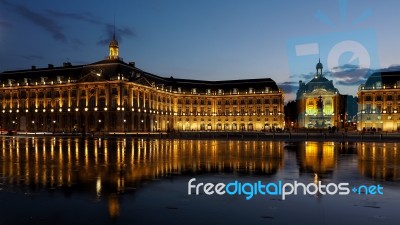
<point>121,180</point>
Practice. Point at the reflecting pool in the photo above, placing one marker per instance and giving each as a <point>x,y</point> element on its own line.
<point>138,181</point>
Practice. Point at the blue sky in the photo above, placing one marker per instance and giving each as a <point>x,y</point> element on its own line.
<point>208,39</point>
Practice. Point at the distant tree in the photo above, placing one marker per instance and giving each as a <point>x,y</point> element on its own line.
<point>290,110</point>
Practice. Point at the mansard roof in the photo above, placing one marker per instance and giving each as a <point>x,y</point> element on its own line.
<point>387,79</point>
<point>109,69</point>
<point>318,82</point>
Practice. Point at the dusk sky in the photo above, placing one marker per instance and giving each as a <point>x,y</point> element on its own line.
<point>208,39</point>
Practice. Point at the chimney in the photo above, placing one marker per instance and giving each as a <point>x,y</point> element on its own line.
<point>33,67</point>
<point>67,64</point>
<point>132,64</point>
<point>50,66</point>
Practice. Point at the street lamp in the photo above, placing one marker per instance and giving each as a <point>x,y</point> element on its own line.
<point>141,121</point>
<point>168,129</point>
<point>54,126</point>
<point>99,127</point>
<point>124,125</point>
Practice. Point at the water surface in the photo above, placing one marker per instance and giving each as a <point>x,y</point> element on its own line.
<point>137,181</point>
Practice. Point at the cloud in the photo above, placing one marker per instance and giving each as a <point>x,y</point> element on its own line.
<point>76,42</point>
<point>108,28</point>
<point>289,86</point>
<point>304,77</point>
<point>76,16</point>
<point>350,75</point>
<point>5,24</point>
<point>119,33</point>
<point>345,67</point>
<point>47,23</point>
<point>394,67</point>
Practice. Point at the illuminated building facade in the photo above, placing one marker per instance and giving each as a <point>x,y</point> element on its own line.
<point>114,96</point>
<point>379,102</point>
<point>318,102</point>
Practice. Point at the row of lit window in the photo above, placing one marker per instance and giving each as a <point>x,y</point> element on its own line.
<point>383,111</point>
<point>95,109</point>
<point>226,114</point>
<point>234,91</point>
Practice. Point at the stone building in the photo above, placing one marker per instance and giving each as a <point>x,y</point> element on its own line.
<point>318,102</point>
<point>114,96</point>
<point>379,102</point>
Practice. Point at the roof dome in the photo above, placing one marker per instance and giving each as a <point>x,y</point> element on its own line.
<point>319,65</point>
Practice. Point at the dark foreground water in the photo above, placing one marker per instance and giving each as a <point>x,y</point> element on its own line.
<point>125,181</point>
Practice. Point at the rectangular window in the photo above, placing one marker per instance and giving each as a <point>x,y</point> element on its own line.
<point>258,110</point>
<point>227,111</point>
<point>389,108</point>
<point>368,108</point>
<point>242,110</point>
<point>378,108</point>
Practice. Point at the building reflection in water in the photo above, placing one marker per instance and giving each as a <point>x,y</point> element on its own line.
<point>104,168</point>
<point>380,161</point>
<point>317,158</point>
